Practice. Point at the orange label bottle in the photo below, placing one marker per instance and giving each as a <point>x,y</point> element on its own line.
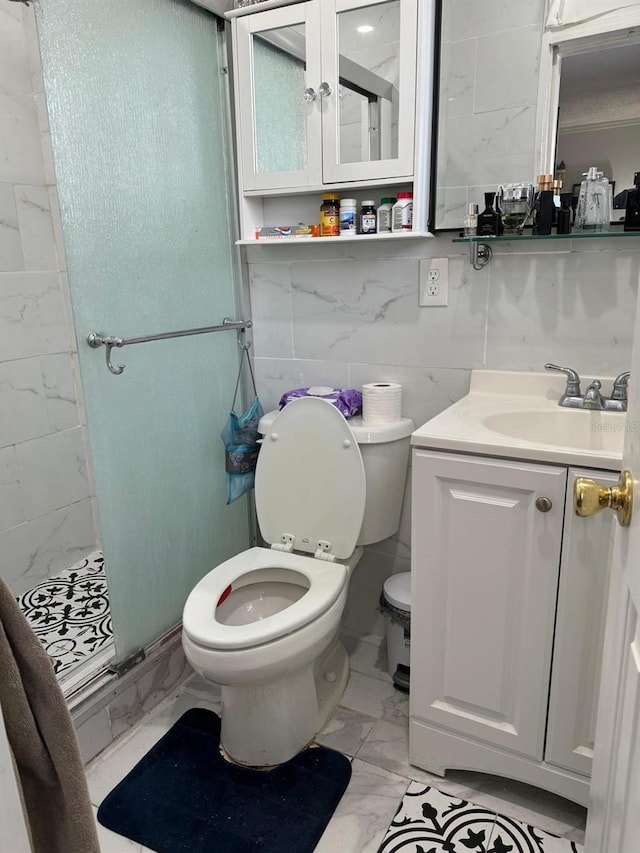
<point>330,215</point>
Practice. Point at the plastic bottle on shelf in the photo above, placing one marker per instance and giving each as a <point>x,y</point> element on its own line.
<point>368,217</point>
<point>348,216</point>
<point>330,215</point>
<point>384,214</point>
<point>402,216</point>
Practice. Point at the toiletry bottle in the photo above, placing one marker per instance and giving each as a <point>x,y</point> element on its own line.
<point>594,202</point>
<point>564,214</point>
<point>543,220</point>
<point>330,215</point>
<point>348,216</point>
<point>632,209</point>
<point>498,209</point>
<point>402,214</point>
<point>471,221</point>
<point>368,217</point>
<point>488,219</point>
<point>384,214</point>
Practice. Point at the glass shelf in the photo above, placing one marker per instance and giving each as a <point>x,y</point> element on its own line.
<point>480,251</point>
<point>519,238</point>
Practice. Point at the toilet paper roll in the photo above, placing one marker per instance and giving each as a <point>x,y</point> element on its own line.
<point>381,402</point>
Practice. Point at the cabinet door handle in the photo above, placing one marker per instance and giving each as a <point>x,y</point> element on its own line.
<point>309,94</point>
<point>324,89</point>
<point>544,504</point>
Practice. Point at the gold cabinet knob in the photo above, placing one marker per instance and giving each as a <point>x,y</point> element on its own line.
<point>589,497</point>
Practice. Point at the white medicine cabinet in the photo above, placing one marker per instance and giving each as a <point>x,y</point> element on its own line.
<point>331,94</point>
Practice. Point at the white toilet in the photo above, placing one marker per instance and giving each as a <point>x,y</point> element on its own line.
<point>264,624</point>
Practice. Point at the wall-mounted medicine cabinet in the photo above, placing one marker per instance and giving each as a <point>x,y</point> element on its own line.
<point>331,94</point>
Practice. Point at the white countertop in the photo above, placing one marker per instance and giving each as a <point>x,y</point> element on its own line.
<point>516,415</point>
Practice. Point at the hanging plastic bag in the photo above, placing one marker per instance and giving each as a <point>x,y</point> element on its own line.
<point>240,436</point>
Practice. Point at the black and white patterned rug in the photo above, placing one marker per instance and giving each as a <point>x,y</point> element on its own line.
<point>70,613</point>
<point>429,821</point>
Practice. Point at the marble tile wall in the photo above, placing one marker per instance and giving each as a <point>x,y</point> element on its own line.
<point>345,315</point>
<point>46,514</point>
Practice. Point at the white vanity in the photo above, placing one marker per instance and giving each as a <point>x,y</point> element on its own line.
<point>509,584</point>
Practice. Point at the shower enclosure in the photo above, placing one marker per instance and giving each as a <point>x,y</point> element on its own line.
<point>137,104</point>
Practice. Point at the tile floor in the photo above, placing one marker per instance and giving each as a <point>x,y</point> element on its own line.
<point>70,614</point>
<point>370,726</point>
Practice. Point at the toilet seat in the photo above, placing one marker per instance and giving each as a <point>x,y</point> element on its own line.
<point>325,583</point>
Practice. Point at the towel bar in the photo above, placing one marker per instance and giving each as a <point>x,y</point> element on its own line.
<point>95,340</point>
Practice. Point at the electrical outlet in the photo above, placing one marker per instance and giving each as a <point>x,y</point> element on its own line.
<point>434,283</point>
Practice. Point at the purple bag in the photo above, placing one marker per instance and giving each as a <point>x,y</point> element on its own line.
<point>346,400</point>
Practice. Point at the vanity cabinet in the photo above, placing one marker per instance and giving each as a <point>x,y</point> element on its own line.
<point>331,94</point>
<point>510,587</point>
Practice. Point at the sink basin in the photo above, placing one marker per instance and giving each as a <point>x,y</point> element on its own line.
<point>515,415</point>
<point>579,428</point>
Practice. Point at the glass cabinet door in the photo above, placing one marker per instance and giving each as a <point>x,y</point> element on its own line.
<point>369,72</point>
<point>278,76</point>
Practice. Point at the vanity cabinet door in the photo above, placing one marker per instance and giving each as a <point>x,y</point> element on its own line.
<point>577,654</point>
<point>278,105</point>
<point>485,574</point>
<point>369,55</point>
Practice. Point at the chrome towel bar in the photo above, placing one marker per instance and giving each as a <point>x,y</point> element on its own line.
<point>95,340</point>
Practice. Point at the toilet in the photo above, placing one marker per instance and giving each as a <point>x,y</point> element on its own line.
<point>264,624</point>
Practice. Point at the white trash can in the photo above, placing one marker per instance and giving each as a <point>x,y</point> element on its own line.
<point>395,603</point>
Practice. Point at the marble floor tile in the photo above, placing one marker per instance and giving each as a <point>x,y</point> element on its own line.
<point>367,658</point>
<point>387,746</point>
<point>346,731</point>
<point>363,814</point>
<point>376,698</point>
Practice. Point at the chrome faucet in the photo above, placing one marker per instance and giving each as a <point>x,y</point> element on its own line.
<point>592,399</point>
<point>617,402</point>
<point>572,397</point>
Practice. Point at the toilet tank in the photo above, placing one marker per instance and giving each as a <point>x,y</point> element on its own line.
<point>385,454</point>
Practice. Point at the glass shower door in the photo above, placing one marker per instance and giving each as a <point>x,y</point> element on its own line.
<point>136,94</point>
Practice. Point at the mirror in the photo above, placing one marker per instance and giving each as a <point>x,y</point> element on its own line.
<point>487,96</point>
<point>599,118</point>
<point>369,67</point>
<point>515,87</point>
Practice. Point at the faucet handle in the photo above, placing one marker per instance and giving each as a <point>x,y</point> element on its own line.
<point>573,380</point>
<point>620,383</point>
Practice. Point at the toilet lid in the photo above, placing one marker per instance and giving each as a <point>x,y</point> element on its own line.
<point>310,481</point>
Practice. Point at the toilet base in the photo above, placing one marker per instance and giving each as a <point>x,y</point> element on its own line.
<point>267,724</point>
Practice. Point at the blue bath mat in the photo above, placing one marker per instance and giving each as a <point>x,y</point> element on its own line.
<point>183,797</point>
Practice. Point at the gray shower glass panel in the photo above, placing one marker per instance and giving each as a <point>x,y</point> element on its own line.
<point>138,112</point>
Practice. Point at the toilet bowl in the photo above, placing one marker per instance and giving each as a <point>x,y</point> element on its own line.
<point>264,624</point>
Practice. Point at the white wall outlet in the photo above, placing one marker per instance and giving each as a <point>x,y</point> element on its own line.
<point>434,283</point>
